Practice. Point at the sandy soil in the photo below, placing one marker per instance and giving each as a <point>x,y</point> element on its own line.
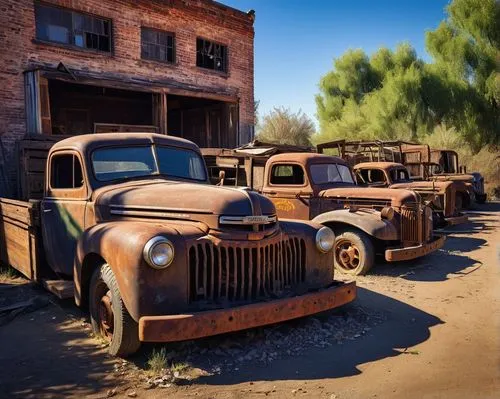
<point>440,337</point>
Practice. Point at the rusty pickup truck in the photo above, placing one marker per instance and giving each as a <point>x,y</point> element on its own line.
<point>447,199</point>
<point>441,196</point>
<point>321,188</point>
<point>155,252</point>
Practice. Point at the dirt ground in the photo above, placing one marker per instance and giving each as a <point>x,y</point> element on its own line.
<point>423,329</point>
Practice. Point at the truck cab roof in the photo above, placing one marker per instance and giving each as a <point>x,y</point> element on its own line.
<point>306,158</point>
<point>87,142</point>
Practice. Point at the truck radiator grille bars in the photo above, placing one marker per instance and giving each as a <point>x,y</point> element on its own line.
<point>412,224</point>
<point>221,273</point>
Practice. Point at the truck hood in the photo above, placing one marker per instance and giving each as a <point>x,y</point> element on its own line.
<point>179,200</point>
<point>453,177</point>
<point>438,187</point>
<point>371,194</point>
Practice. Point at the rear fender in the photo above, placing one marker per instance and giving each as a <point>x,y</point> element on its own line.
<point>367,220</point>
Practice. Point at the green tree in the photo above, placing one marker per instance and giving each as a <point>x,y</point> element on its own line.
<point>281,126</point>
<point>393,94</point>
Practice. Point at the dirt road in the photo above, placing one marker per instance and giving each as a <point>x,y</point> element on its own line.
<point>437,334</point>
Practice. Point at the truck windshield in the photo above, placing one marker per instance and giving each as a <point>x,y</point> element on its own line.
<point>330,173</point>
<point>127,162</point>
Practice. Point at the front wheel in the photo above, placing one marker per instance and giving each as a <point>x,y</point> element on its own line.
<point>108,315</point>
<point>354,253</point>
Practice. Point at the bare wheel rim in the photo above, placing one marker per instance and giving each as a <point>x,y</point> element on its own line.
<point>106,316</point>
<point>347,254</point>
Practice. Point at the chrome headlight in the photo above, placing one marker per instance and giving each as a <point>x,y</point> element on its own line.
<point>325,239</point>
<point>158,252</point>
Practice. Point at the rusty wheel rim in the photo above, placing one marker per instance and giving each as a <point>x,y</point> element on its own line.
<point>347,255</point>
<point>106,317</point>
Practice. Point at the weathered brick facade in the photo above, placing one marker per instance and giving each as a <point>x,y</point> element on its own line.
<point>188,19</point>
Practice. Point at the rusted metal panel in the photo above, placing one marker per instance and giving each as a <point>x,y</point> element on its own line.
<point>196,325</point>
<point>413,252</point>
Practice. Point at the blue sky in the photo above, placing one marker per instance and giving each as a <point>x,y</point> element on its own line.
<point>297,40</point>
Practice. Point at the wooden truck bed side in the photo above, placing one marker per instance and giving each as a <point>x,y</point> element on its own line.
<point>19,236</point>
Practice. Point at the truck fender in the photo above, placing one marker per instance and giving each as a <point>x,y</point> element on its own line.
<point>120,245</point>
<point>367,220</point>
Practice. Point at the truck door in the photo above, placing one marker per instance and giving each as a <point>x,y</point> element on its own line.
<point>287,187</point>
<point>63,210</point>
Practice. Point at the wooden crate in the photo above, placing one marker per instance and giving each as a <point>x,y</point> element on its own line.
<point>19,236</point>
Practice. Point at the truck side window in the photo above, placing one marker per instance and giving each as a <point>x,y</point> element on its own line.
<point>376,176</point>
<point>66,172</point>
<point>287,174</point>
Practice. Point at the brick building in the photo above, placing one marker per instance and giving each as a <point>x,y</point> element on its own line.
<point>179,67</point>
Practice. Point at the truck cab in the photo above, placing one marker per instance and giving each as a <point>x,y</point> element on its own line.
<point>156,253</point>
<point>366,221</point>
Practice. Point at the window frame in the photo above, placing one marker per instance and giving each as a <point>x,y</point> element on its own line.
<point>353,177</point>
<point>71,44</point>
<point>153,146</point>
<point>387,179</point>
<point>306,177</point>
<point>225,70</point>
<point>76,193</point>
<point>174,45</point>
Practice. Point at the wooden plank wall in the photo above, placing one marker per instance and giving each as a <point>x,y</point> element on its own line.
<point>19,246</point>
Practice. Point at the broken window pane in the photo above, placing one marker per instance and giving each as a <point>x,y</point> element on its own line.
<point>59,25</point>
<point>157,45</point>
<point>211,55</point>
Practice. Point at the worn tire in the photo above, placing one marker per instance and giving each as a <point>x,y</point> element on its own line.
<point>353,241</point>
<point>124,339</point>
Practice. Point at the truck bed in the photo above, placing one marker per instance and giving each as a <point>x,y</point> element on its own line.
<point>19,236</point>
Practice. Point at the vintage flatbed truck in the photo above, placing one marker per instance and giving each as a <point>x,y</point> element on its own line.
<point>447,198</point>
<point>130,222</point>
<point>310,186</point>
<point>442,165</point>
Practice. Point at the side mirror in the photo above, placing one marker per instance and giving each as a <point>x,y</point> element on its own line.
<point>222,175</point>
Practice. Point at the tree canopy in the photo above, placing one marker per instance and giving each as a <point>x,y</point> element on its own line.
<point>393,94</point>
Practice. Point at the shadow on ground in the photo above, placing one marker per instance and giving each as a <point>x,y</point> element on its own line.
<point>47,354</point>
<point>406,326</point>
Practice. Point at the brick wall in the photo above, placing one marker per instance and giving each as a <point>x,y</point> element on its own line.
<point>188,19</point>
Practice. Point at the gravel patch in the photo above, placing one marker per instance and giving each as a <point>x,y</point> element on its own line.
<point>262,346</point>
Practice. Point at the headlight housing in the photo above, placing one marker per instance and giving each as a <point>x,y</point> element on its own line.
<point>387,213</point>
<point>159,252</point>
<point>325,239</point>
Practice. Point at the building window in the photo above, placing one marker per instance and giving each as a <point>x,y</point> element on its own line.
<point>211,55</point>
<point>60,25</point>
<point>157,45</point>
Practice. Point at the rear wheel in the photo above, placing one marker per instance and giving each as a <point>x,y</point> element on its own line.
<point>108,315</point>
<point>354,252</point>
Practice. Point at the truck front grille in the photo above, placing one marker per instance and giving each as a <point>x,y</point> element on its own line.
<point>412,223</point>
<point>223,272</point>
